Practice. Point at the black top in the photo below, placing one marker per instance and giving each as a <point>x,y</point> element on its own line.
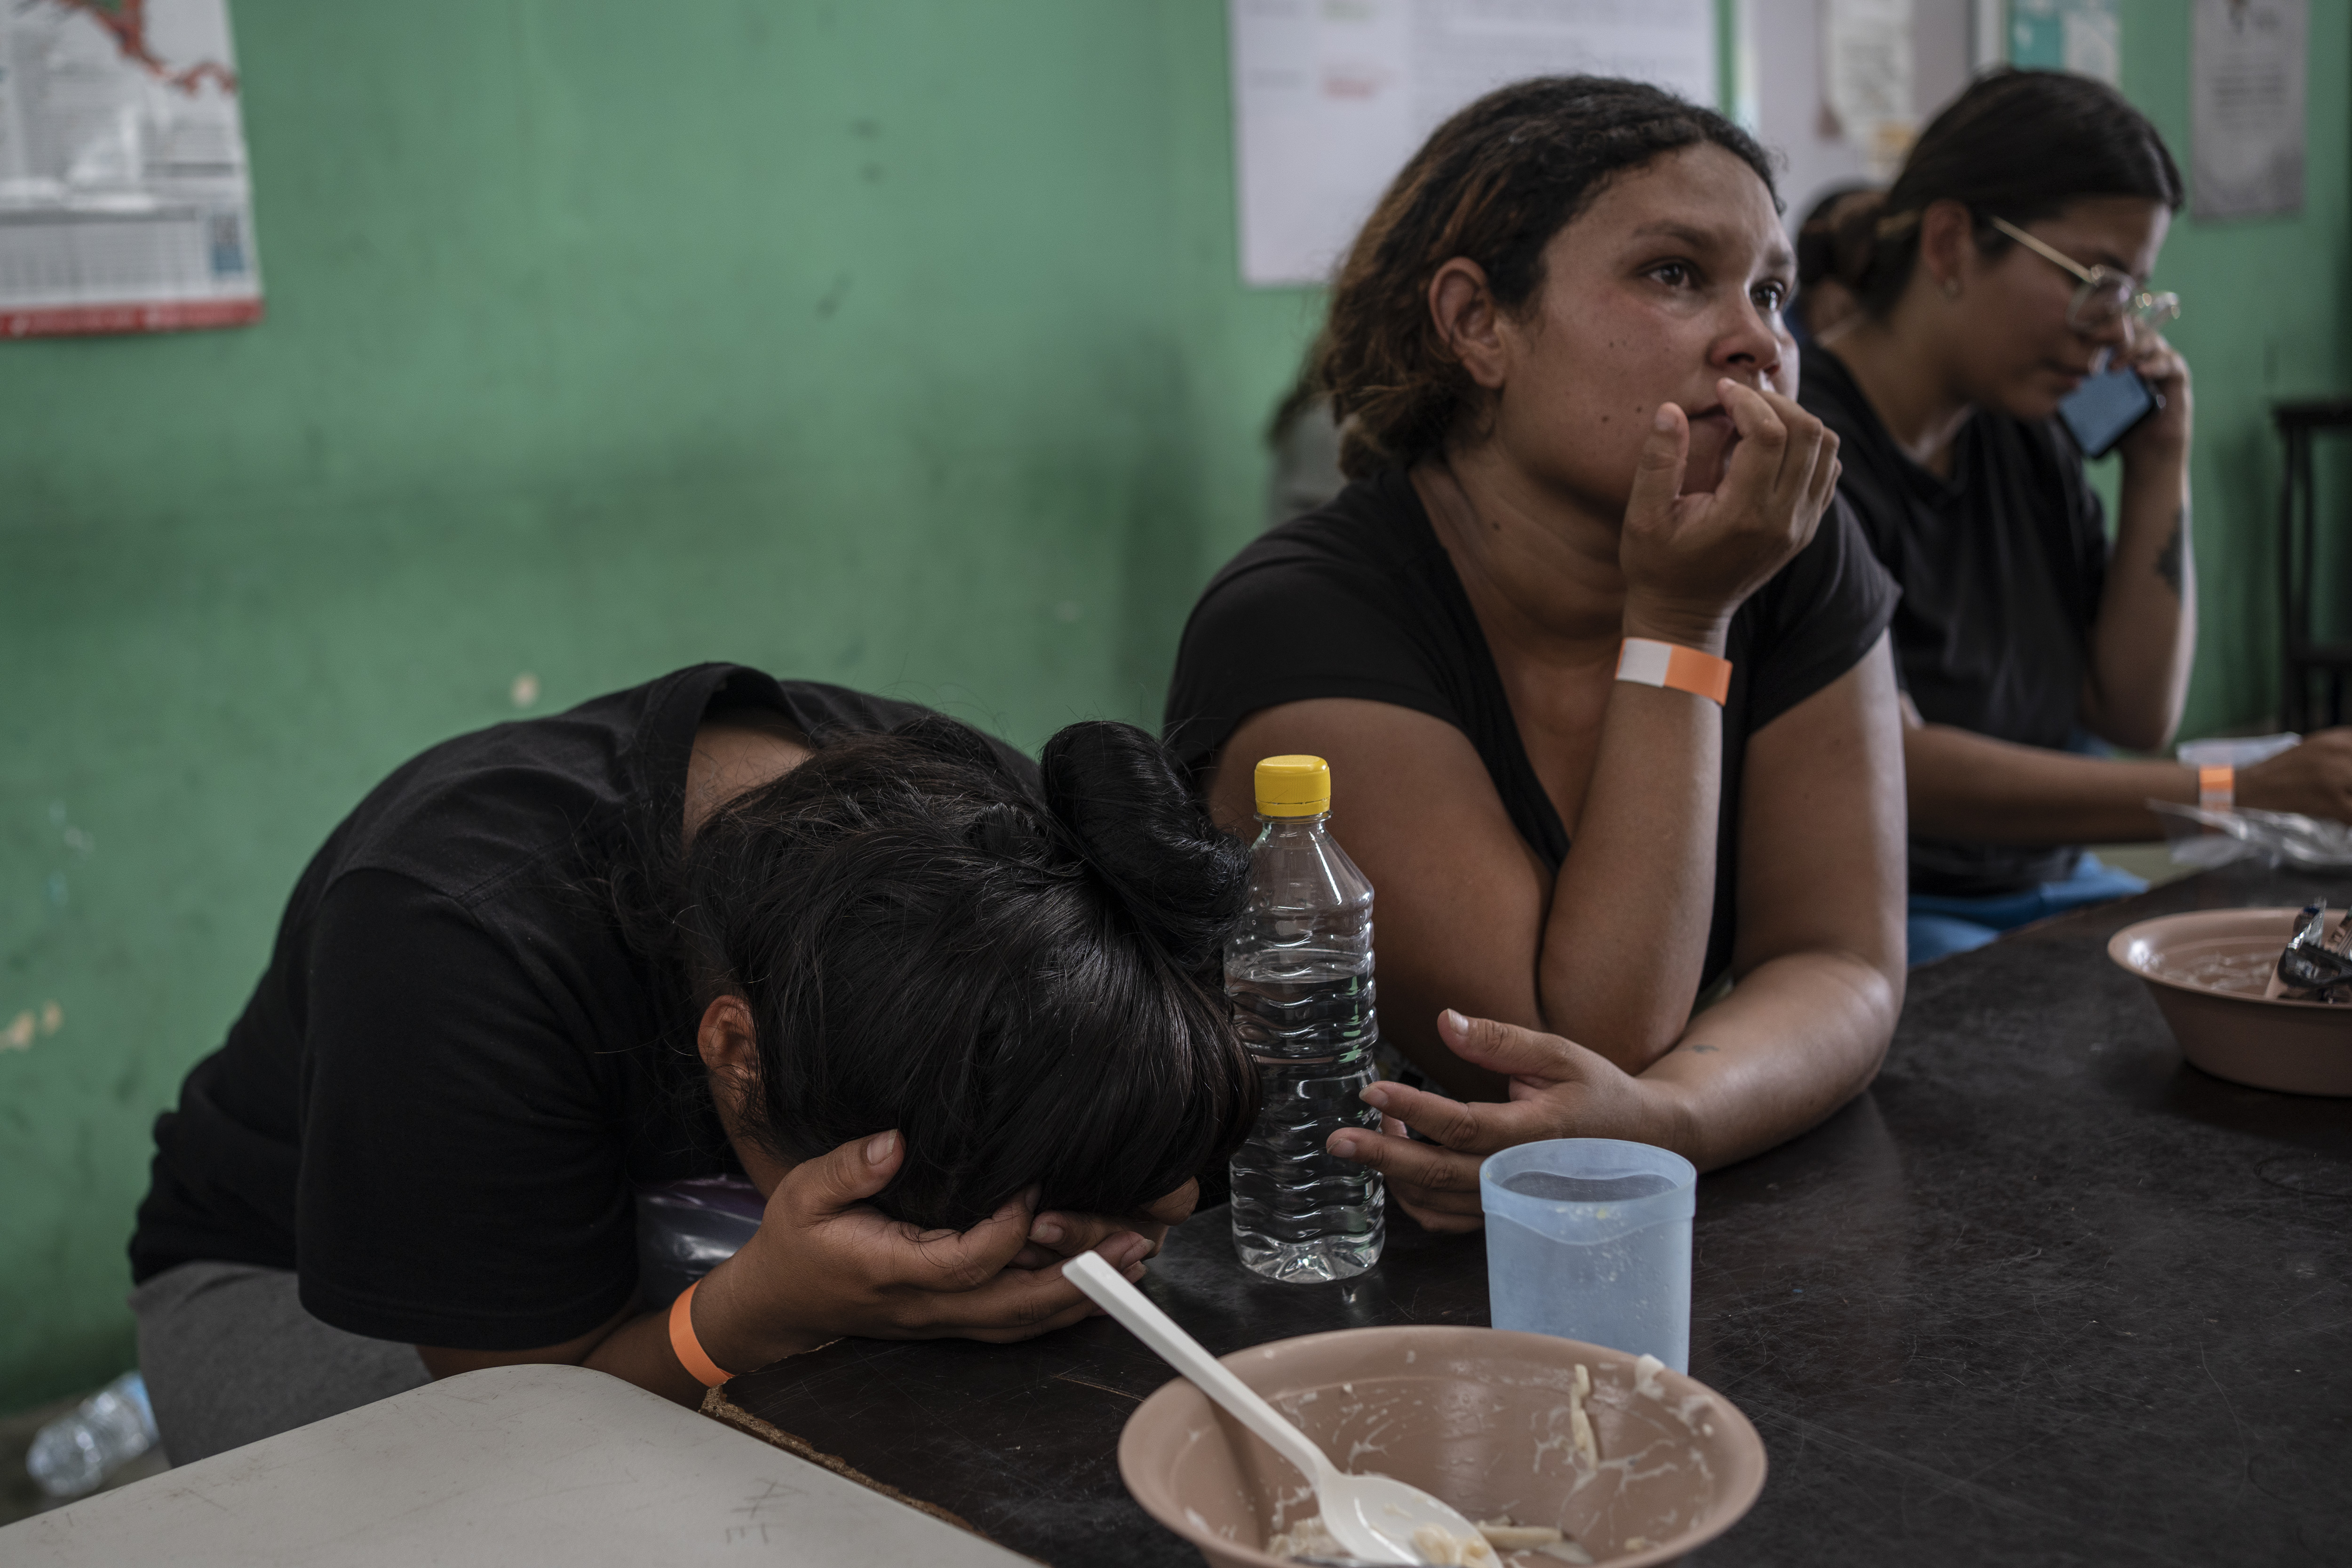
<point>1361,600</point>
<point>2002,567</point>
<point>455,1071</point>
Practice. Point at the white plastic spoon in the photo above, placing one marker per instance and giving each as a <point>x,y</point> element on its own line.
<point>1372,1516</point>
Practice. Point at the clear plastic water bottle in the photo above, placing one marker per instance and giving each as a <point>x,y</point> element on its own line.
<point>89,1443</point>
<point>1300,973</point>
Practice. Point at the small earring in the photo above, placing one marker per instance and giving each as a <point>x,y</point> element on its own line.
<point>1951,288</point>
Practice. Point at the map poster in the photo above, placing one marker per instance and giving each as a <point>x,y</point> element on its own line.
<point>1330,96</point>
<point>125,204</point>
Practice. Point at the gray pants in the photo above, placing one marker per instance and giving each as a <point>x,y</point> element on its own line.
<point>230,1357</point>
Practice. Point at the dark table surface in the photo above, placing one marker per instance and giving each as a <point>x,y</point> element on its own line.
<point>2045,1294</point>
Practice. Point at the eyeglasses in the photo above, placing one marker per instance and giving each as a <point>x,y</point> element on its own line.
<point>2105,295</point>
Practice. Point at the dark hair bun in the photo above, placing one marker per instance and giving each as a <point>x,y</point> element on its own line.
<point>1837,237</point>
<point>1183,882</point>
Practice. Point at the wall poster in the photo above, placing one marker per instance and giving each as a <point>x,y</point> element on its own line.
<point>1868,62</point>
<point>125,204</point>
<point>2245,108</point>
<point>1330,96</point>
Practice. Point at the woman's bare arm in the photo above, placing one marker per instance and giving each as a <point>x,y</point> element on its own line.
<point>2144,638</point>
<point>1460,899</point>
<point>1821,972</point>
<point>1464,904</point>
<point>1609,951</point>
<point>1972,788</point>
<point>1820,957</point>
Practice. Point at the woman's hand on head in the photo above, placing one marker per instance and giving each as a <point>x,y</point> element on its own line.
<point>1559,1090</point>
<point>824,1263</point>
<point>1057,1234</point>
<point>1691,560</point>
<point>2165,433</point>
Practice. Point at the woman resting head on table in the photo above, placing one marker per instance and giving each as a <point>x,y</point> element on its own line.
<point>953,1023</point>
<point>2003,270</point>
<point>1566,395</point>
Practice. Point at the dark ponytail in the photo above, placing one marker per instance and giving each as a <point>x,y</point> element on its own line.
<point>1027,988</point>
<point>2020,146</point>
<point>1181,880</point>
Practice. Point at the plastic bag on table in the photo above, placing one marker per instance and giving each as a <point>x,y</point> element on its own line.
<point>2207,839</point>
<point>2235,751</point>
<point>685,1229</point>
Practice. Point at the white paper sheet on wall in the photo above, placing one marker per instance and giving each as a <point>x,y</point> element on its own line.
<point>125,206</point>
<point>1867,65</point>
<point>2246,132</point>
<point>1330,96</point>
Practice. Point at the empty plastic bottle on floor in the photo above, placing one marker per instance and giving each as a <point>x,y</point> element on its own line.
<point>74,1453</point>
<point>1299,973</point>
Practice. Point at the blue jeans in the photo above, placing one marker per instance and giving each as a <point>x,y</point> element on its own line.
<point>1941,926</point>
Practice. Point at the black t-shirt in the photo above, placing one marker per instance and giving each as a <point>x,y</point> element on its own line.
<point>2001,566</point>
<point>455,1071</point>
<point>1359,599</point>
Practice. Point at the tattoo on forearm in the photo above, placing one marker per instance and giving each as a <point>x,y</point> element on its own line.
<point>2172,560</point>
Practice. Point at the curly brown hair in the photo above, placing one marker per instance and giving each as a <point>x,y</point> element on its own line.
<point>1493,185</point>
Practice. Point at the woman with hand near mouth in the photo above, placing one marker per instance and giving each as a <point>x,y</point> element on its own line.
<point>1580,486</point>
<point>2001,272</point>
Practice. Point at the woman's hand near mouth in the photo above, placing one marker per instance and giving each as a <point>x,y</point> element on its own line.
<point>1691,560</point>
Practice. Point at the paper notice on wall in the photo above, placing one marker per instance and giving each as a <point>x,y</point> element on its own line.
<point>2245,108</point>
<point>1330,96</point>
<point>125,204</point>
<point>1866,72</point>
<point>2086,36</point>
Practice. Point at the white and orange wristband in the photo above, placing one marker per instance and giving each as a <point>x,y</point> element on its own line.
<point>2217,788</point>
<point>1647,662</point>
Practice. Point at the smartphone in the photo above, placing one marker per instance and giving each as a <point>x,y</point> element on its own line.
<point>2102,409</point>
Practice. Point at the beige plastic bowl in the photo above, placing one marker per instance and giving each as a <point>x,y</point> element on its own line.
<point>1479,1417</point>
<point>2233,1031</point>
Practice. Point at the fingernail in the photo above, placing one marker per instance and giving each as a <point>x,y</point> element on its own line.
<point>1663,418</point>
<point>1455,1022</point>
<point>1375,1094</point>
<point>878,1147</point>
<point>1134,1272</point>
<point>1344,1146</point>
<point>1047,1231</point>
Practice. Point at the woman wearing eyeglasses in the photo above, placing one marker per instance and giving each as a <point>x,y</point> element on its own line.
<point>2001,272</point>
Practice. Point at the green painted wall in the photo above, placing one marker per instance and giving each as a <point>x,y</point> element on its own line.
<point>893,341</point>
<point>2265,317</point>
<point>890,343</point>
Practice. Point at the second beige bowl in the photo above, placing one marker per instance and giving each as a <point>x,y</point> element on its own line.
<point>2206,972</point>
<point>1479,1417</point>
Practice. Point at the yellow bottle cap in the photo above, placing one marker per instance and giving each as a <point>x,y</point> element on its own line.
<point>1294,786</point>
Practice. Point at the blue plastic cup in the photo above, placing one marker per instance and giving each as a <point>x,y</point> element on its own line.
<point>1589,1238</point>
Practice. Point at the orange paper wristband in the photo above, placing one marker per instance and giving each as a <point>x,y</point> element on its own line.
<point>2217,788</point>
<point>690,1353</point>
<point>1648,663</point>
